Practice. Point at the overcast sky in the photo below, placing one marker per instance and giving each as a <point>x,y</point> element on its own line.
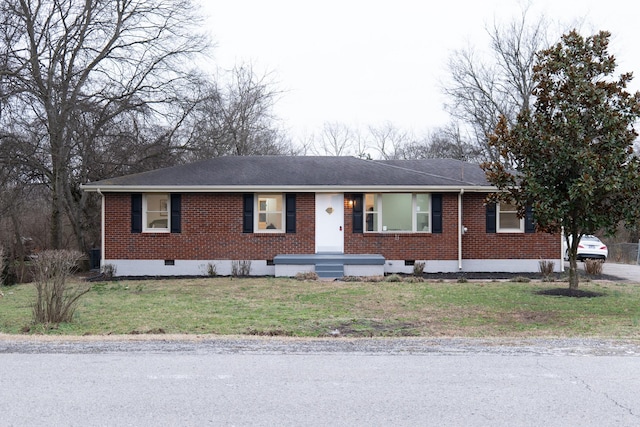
<point>366,62</point>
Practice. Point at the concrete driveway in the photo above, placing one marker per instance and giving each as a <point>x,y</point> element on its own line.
<point>625,272</point>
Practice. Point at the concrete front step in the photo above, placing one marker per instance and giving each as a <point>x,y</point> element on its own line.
<point>326,270</point>
<point>329,265</point>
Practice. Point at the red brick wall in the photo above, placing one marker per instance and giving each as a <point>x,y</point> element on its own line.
<point>442,246</point>
<point>476,241</point>
<point>212,229</point>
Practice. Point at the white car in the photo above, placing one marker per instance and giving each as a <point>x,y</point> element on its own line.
<point>589,247</point>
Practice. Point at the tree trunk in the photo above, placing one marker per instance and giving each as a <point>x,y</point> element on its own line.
<point>74,210</point>
<point>56,211</point>
<point>573,273</point>
<point>574,276</point>
<point>19,252</point>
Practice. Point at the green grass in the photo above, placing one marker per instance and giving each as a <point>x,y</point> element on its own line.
<point>275,306</point>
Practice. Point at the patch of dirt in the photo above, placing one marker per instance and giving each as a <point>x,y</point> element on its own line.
<point>532,317</point>
<point>371,328</point>
<point>573,293</point>
<point>156,331</point>
<point>270,333</point>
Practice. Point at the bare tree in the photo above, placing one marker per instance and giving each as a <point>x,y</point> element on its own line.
<point>449,142</point>
<point>389,141</point>
<point>237,118</point>
<point>84,77</point>
<point>482,89</point>
<point>304,145</point>
<point>336,139</point>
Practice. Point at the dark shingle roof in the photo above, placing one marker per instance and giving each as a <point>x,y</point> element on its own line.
<point>303,171</point>
<point>470,173</point>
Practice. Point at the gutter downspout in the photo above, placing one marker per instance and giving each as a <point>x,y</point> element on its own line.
<point>102,229</point>
<point>460,229</point>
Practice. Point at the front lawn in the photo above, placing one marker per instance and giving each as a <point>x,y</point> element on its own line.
<point>288,307</point>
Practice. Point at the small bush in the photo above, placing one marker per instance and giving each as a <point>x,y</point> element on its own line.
<point>393,278</point>
<point>367,279</point>
<point>373,279</point>
<point>55,300</point>
<point>212,270</point>
<point>546,268</point>
<point>240,268</point>
<point>109,271</point>
<point>418,269</point>
<point>308,275</point>
<point>521,279</point>
<point>593,267</point>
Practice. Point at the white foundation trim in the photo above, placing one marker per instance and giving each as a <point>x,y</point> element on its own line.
<point>126,267</point>
<point>260,268</point>
<point>473,266</point>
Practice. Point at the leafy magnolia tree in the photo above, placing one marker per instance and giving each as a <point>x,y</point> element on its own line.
<point>573,151</point>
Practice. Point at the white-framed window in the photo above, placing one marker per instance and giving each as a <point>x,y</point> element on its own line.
<point>507,219</point>
<point>371,207</point>
<point>155,212</point>
<point>423,212</point>
<point>397,212</point>
<point>270,213</point>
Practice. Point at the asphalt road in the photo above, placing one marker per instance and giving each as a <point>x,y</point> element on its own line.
<point>279,382</point>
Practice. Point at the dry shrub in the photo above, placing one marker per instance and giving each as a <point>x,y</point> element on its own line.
<point>593,267</point>
<point>308,275</point>
<point>212,269</point>
<point>546,268</point>
<point>109,271</point>
<point>373,279</point>
<point>240,268</point>
<point>418,269</point>
<point>55,300</point>
<point>368,279</point>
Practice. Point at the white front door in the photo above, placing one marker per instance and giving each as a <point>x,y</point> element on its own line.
<point>329,223</point>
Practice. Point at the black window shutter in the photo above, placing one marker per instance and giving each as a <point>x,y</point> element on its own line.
<point>491,217</point>
<point>176,213</point>
<point>247,213</point>
<point>358,210</point>
<point>136,213</point>
<point>290,206</point>
<point>529,222</point>
<point>436,213</point>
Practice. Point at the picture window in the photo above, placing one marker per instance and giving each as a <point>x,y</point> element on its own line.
<point>397,212</point>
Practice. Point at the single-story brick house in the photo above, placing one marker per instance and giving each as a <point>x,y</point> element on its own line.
<point>333,215</point>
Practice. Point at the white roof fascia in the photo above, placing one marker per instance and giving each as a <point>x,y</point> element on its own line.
<point>285,188</point>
